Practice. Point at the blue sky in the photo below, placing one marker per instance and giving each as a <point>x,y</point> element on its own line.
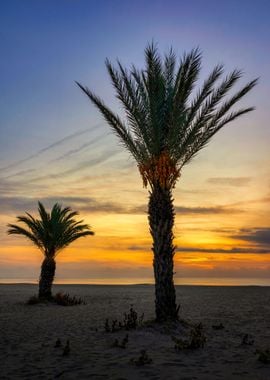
<point>46,45</point>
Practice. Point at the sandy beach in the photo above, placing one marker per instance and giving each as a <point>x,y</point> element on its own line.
<point>28,334</point>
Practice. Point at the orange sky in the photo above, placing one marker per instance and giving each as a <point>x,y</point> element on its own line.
<point>221,227</point>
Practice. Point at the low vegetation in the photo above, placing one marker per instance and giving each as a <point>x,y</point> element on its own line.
<point>67,300</point>
<point>143,359</point>
<point>196,339</point>
<point>122,344</point>
<point>63,299</point>
<point>130,321</point>
<point>247,340</point>
<point>263,356</point>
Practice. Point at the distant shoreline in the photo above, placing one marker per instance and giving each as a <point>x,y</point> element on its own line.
<point>139,284</point>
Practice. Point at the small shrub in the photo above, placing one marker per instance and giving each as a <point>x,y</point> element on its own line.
<point>142,359</point>
<point>196,340</point>
<point>107,325</point>
<point>123,344</point>
<point>263,356</point>
<point>115,343</point>
<point>66,300</point>
<point>60,299</point>
<point>247,340</point>
<point>113,326</point>
<point>66,350</point>
<point>130,321</point>
<point>58,343</point>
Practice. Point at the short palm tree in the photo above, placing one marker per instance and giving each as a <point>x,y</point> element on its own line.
<point>165,128</point>
<point>51,233</point>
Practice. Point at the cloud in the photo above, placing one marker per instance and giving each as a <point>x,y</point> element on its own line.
<point>62,157</point>
<point>55,144</point>
<point>229,181</point>
<point>17,204</point>
<point>105,156</point>
<point>80,148</point>
<point>194,210</point>
<point>7,187</point>
<point>247,250</point>
<point>86,204</point>
<point>258,235</point>
<point>206,210</point>
<point>89,204</point>
<point>20,173</point>
<point>234,250</point>
<point>265,199</point>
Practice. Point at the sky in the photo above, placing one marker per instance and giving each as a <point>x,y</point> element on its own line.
<point>55,146</point>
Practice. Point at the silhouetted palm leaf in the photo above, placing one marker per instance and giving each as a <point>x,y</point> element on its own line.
<point>53,231</point>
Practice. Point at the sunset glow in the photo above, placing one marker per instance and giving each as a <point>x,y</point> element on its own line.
<point>55,147</point>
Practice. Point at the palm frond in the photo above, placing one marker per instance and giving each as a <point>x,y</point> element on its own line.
<point>232,116</point>
<point>17,230</point>
<point>114,121</point>
<point>186,77</point>
<point>234,99</point>
<point>43,213</point>
<point>169,69</point>
<point>204,92</point>
<point>155,84</point>
<point>205,114</point>
<point>130,97</point>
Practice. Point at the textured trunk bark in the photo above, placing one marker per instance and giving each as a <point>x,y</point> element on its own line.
<point>46,278</point>
<point>161,219</point>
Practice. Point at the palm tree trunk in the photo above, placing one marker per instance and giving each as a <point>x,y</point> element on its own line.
<point>46,278</point>
<point>161,219</point>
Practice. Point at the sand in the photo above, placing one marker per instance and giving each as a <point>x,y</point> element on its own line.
<point>28,334</point>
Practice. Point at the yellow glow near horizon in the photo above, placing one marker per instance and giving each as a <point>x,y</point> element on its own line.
<point>211,216</point>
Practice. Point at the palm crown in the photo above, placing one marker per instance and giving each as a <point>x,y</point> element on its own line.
<point>53,231</point>
<point>165,127</point>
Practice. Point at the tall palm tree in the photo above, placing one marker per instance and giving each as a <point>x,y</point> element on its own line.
<point>165,128</point>
<point>51,233</point>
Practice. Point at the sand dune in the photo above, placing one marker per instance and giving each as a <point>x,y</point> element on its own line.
<point>28,334</point>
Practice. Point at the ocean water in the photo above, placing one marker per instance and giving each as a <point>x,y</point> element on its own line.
<point>131,281</point>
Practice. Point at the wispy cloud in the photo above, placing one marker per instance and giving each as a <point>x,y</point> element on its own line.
<point>229,181</point>
<point>9,203</point>
<point>248,250</point>
<point>103,157</point>
<point>264,199</point>
<point>79,149</point>
<point>196,210</point>
<point>234,250</point>
<point>20,173</point>
<point>207,210</point>
<point>257,235</point>
<point>62,157</point>
<point>82,204</point>
<point>55,144</point>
